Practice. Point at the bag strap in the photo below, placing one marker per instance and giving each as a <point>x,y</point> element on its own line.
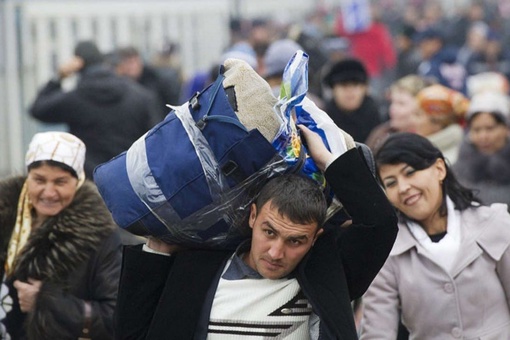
<point>215,87</point>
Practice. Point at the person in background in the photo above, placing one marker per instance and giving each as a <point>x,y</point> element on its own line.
<point>448,274</point>
<point>275,59</point>
<point>408,58</point>
<point>165,86</point>
<point>60,248</point>
<point>106,111</point>
<point>439,118</point>
<point>439,61</point>
<point>484,157</point>
<point>351,107</point>
<point>403,109</point>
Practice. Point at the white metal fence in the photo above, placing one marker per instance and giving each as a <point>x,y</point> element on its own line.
<point>35,36</point>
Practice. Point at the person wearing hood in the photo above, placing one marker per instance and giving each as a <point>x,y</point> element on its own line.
<point>106,111</point>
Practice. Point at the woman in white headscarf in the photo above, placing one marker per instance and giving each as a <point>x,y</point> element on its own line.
<point>59,246</point>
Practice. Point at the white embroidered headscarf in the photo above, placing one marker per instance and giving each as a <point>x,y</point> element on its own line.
<point>60,147</point>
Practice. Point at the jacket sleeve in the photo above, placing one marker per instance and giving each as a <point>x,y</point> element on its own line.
<point>367,242</point>
<point>136,306</point>
<point>60,314</point>
<point>380,307</point>
<point>52,105</point>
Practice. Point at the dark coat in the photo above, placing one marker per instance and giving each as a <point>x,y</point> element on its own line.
<point>107,112</point>
<point>358,123</point>
<point>488,175</point>
<point>77,255</point>
<point>162,297</point>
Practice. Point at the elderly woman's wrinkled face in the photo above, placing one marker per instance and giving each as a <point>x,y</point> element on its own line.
<point>487,134</point>
<point>416,193</point>
<point>50,189</point>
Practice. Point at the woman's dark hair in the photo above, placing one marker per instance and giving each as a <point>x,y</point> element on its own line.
<point>65,167</point>
<point>420,153</point>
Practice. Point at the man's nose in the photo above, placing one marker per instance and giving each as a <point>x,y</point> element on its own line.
<point>277,250</point>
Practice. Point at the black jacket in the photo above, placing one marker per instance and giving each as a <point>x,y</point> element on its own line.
<point>107,112</point>
<point>358,123</point>
<point>77,255</point>
<point>162,297</point>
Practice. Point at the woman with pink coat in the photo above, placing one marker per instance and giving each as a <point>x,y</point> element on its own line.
<point>448,274</point>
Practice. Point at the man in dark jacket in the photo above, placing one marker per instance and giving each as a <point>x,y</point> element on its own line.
<point>165,84</point>
<point>107,112</point>
<point>295,279</point>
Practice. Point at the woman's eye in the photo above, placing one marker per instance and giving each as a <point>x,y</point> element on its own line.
<point>389,184</point>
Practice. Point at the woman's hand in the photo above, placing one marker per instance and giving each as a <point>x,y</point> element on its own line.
<point>27,293</point>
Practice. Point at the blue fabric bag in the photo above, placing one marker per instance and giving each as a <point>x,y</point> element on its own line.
<point>191,178</point>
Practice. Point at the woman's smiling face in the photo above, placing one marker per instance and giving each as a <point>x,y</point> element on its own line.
<point>50,189</point>
<point>416,193</point>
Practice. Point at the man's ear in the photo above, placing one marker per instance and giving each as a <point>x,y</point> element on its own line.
<point>317,234</point>
<point>253,215</point>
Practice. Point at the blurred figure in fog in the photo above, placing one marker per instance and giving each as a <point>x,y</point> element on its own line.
<point>495,57</point>
<point>351,107</point>
<point>276,59</point>
<point>441,112</point>
<point>403,110</point>
<point>106,111</point>
<point>484,157</point>
<point>165,86</point>
<point>439,62</point>
<point>408,57</point>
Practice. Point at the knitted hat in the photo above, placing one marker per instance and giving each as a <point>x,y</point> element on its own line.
<point>487,81</point>
<point>443,103</point>
<point>492,102</point>
<point>88,51</point>
<point>60,147</point>
<point>346,70</point>
<point>278,55</point>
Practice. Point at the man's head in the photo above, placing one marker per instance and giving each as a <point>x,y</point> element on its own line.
<point>286,220</point>
<point>429,42</point>
<point>129,62</point>
<point>348,79</point>
<point>89,53</point>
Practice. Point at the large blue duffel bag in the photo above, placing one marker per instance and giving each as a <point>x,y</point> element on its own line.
<point>191,178</point>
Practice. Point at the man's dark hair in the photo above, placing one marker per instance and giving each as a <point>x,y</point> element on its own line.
<point>65,167</point>
<point>296,197</point>
<point>420,153</point>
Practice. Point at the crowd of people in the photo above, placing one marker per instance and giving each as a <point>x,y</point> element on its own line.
<point>424,96</point>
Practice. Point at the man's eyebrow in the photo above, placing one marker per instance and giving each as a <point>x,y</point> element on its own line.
<point>297,238</point>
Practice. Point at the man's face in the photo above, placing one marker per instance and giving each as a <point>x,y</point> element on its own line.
<point>349,96</point>
<point>131,67</point>
<point>278,244</point>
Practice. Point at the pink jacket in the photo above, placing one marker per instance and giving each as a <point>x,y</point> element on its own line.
<point>470,302</point>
